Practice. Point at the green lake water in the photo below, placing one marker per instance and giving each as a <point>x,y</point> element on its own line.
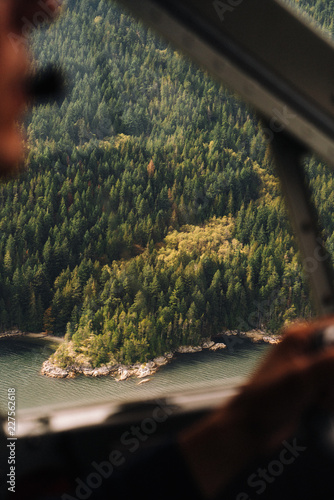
<point>21,360</point>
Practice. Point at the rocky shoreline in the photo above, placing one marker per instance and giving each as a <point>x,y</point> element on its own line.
<point>12,333</point>
<point>19,333</point>
<point>143,371</point>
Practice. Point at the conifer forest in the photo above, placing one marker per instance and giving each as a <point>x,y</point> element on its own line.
<point>149,215</point>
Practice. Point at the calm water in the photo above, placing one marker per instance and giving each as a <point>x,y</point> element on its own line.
<point>21,360</point>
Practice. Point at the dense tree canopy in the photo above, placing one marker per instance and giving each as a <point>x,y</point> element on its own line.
<point>150,214</point>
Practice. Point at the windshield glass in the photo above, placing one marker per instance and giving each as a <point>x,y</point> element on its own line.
<point>146,249</point>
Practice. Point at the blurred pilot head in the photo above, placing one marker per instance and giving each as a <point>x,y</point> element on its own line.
<point>17,19</point>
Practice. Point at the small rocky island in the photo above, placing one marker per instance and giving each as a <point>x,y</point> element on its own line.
<point>82,366</point>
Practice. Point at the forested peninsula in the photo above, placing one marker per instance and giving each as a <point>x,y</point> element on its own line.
<point>149,216</point>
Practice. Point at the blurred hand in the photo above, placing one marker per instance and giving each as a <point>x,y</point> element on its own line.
<point>17,19</point>
<point>291,380</point>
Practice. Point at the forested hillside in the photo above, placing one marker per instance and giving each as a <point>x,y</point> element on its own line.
<point>149,215</point>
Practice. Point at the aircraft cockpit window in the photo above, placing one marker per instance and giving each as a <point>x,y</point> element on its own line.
<point>146,249</point>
